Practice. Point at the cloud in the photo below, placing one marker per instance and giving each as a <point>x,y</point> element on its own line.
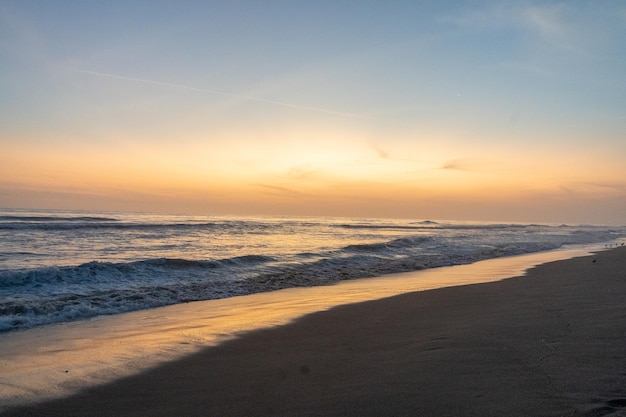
<point>279,190</point>
<point>547,20</point>
<point>494,16</point>
<point>384,153</point>
<point>609,185</point>
<point>559,24</point>
<point>218,93</point>
<point>470,165</point>
<point>561,27</point>
<point>302,172</point>
<point>594,187</point>
<point>381,152</point>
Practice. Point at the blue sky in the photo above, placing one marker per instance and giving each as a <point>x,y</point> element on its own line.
<point>491,110</point>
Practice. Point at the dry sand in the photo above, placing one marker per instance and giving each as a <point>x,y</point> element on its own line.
<point>551,343</point>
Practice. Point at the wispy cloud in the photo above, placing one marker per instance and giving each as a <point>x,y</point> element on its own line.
<point>547,19</point>
<point>557,23</point>
<point>610,185</point>
<point>302,172</point>
<point>381,152</point>
<point>279,190</point>
<point>469,165</point>
<point>217,92</point>
<point>386,154</point>
<point>586,187</point>
<point>482,18</point>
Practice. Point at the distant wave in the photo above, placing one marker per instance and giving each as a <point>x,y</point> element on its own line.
<point>57,218</point>
<point>100,224</point>
<point>503,226</point>
<point>430,225</point>
<point>382,226</point>
<point>51,223</point>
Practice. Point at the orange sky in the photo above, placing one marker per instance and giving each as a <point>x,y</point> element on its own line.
<point>472,111</point>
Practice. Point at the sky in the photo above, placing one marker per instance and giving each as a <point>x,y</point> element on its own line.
<point>464,110</point>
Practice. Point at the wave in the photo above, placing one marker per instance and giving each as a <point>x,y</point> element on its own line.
<point>113,224</point>
<point>390,246</point>
<point>99,224</point>
<point>383,227</point>
<point>30,312</point>
<point>431,225</point>
<point>49,295</point>
<point>31,297</point>
<point>56,219</point>
<point>503,226</point>
<point>91,225</point>
<point>245,260</point>
<point>113,274</point>
<point>427,222</point>
<point>55,294</point>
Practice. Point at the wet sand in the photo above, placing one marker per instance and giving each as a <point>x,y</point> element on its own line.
<point>550,343</point>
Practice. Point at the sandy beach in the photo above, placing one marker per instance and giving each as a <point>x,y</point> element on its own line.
<point>549,343</point>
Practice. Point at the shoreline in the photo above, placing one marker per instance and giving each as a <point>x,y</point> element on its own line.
<point>159,326</point>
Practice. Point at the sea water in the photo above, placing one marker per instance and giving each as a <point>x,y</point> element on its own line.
<point>58,266</point>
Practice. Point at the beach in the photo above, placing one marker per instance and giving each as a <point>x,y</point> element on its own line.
<point>548,343</point>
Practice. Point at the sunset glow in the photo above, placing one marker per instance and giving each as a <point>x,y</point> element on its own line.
<point>509,111</point>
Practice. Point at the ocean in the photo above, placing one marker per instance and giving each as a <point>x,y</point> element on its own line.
<point>60,266</point>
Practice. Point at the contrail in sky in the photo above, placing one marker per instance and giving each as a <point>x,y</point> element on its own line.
<point>219,93</point>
